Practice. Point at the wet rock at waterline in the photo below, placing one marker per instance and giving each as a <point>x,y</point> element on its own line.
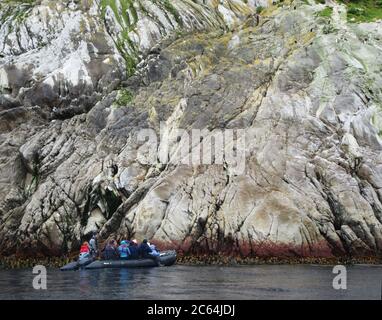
<point>303,99</point>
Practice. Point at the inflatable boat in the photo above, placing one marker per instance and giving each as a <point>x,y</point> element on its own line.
<point>166,258</point>
<point>75,265</point>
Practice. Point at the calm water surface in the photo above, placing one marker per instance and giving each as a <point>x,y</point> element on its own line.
<point>196,282</point>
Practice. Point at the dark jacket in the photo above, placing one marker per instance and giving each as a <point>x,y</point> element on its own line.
<point>110,253</point>
<point>144,250</point>
<point>134,252</point>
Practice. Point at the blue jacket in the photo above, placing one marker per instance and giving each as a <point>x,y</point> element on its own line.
<point>124,251</point>
<point>154,252</point>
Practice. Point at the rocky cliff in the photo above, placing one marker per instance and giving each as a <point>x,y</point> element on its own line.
<point>81,80</point>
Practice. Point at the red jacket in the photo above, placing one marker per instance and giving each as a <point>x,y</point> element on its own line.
<point>84,249</point>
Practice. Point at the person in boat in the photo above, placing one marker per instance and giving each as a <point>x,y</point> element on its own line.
<point>145,252</point>
<point>84,251</point>
<point>93,245</point>
<point>134,252</point>
<point>144,249</point>
<point>111,251</point>
<point>124,251</point>
<point>154,251</point>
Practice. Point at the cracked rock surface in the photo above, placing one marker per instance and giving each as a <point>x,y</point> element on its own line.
<point>307,98</point>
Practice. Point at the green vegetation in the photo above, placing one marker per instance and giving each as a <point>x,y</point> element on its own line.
<point>123,16</point>
<point>127,18</point>
<point>18,2</point>
<point>363,10</point>
<point>259,9</point>
<point>171,9</point>
<point>328,28</point>
<point>125,12</point>
<point>325,13</point>
<point>17,10</point>
<point>124,98</point>
<point>280,3</point>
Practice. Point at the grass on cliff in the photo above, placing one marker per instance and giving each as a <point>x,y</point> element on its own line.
<point>124,97</point>
<point>363,10</point>
<point>127,17</point>
<point>17,10</point>
<point>18,1</point>
<point>325,13</point>
<point>126,14</point>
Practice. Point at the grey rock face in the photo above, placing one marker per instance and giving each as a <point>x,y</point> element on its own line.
<point>69,53</point>
<point>308,102</point>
